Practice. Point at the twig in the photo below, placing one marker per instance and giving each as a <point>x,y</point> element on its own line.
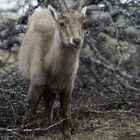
<point>18,131</point>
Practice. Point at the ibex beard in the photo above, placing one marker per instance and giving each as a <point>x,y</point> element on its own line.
<point>49,59</point>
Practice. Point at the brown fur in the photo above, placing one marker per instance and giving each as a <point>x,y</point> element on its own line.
<point>49,64</point>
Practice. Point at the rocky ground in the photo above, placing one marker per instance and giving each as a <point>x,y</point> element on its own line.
<point>105,101</point>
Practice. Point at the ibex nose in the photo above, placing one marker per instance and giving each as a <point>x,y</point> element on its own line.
<point>76,41</point>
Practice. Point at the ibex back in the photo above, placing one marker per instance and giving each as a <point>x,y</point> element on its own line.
<point>49,59</point>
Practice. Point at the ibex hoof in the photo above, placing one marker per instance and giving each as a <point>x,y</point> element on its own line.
<point>45,124</point>
<point>67,135</point>
<point>72,131</point>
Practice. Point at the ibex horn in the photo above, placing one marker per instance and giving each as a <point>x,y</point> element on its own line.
<point>79,4</point>
<point>63,5</point>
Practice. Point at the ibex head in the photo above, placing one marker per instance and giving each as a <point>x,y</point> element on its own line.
<point>70,23</point>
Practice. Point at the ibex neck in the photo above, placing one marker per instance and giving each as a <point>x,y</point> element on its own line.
<point>69,52</point>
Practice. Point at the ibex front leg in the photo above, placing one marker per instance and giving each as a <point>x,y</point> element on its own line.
<point>65,103</point>
<point>48,114</point>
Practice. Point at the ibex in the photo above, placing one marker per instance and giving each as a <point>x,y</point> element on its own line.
<point>49,59</point>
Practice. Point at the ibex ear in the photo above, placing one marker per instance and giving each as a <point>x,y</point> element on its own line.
<point>83,11</point>
<point>53,12</point>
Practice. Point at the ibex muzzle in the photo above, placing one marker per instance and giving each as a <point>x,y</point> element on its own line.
<point>49,59</point>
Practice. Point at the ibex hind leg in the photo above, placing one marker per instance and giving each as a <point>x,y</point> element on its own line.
<point>34,96</point>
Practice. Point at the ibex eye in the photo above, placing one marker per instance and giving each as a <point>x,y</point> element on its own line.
<point>62,24</point>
